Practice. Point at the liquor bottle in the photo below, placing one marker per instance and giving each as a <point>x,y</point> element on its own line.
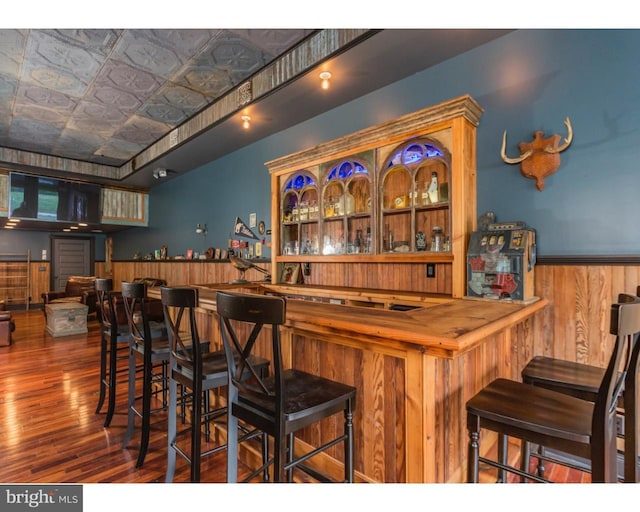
<point>358,242</point>
<point>425,194</point>
<point>349,203</point>
<point>433,188</point>
<point>367,248</point>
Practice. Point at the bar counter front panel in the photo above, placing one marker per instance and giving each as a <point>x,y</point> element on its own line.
<point>414,371</point>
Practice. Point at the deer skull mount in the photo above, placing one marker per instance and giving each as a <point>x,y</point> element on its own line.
<point>539,158</point>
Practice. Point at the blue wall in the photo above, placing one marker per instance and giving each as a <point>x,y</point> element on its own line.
<point>525,81</point>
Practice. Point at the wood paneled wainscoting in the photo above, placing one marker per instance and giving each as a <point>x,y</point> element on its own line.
<point>410,416</point>
<point>580,291</point>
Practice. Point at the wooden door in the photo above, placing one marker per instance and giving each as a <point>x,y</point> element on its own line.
<point>70,256</point>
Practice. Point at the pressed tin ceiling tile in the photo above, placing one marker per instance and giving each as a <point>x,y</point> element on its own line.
<point>67,92</point>
<point>141,130</point>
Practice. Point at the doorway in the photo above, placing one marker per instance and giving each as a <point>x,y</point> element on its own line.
<point>70,256</point>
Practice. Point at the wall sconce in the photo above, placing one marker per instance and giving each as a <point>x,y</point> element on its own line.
<point>245,122</point>
<point>201,229</point>
<point>325,76</point>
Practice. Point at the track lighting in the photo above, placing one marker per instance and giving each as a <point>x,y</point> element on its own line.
<point>159,173</point>
<point>201,229</point>
<point>245,122</point>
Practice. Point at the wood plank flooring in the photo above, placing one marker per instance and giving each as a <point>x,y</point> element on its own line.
<point>49,431</point>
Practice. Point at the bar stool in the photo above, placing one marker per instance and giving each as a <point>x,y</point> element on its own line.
<point>583,381</point>
<point>556,420</point>
<point>196,371</point>
<point>285,401</point>
<point>114,344</point>
<point>149,346</point>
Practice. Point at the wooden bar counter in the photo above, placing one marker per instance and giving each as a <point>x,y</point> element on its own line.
<point>414,369</point>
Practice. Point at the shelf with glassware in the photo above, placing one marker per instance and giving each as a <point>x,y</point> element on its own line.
<point>415,206</point>
<point>428,224</point>
<point>347,212</point>
<point>338,223</point>
<point>300,215</point>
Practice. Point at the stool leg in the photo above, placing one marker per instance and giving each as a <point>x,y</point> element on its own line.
<point>196,434</point>
<point>113,366</point>
<point>473,453</point>
<point>265,456</point>
<point>131,399</point>
<point>146,409</point>
<point>171,429</point>
<point>232,438</point>
<point>502,457</point>
<point>279,455</point>
<point>290,445</point>
<point>348,443</point>
<point>631,473</point>
<point>541,468</point>
<point>103,369</point>
<point>525,459</point>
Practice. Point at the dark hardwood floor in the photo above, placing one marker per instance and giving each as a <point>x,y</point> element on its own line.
<point>49,431</point>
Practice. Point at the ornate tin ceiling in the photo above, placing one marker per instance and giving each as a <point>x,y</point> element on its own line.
<point>103,96</point>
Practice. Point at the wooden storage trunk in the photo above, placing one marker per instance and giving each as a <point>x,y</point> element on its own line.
<point>64,319</point>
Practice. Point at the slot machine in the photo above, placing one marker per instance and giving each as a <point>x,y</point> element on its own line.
<point>500,262</point>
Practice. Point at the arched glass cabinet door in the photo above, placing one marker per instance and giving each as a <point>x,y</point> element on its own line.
<point>299,211</point>
<point>414,196</point>
<point>347,208</point>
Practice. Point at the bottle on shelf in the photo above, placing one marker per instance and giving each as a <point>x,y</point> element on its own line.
<point>433,188</point>
<point>437,239</point>
<point>367,247</point>
<point>338,208</point>
<point>329,207</point>
<point>358,242</point>
<point>425,194</point>
<point>349,203</point>
<point>304,210</point>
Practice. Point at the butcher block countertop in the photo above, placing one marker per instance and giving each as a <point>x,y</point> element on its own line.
<point>438,325</point>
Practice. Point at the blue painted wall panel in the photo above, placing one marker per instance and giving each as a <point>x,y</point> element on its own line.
<point>528,80</point>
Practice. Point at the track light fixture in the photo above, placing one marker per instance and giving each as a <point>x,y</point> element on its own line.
<point>201,229</point>
<point>245,122</point>
<point>159,173</point>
